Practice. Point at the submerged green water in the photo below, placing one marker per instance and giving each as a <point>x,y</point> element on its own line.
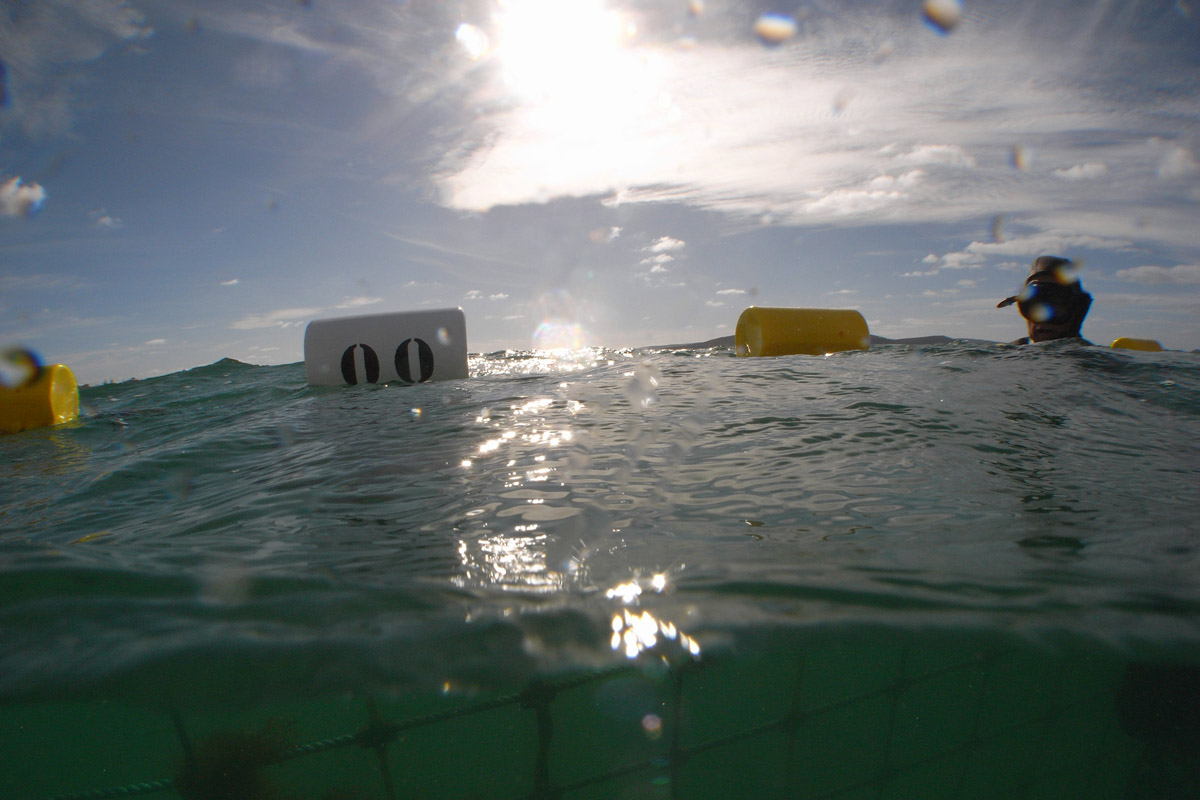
<point>945,571</point>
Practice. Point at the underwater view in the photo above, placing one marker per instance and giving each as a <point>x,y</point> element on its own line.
<point>953,570</point>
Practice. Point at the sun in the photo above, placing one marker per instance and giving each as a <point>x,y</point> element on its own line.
<point>577,100</point>
<point>553,51</point>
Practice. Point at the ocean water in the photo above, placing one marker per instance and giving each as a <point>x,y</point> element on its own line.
<point>953,570</point>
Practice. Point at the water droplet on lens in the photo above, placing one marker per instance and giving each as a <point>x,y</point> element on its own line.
<point>998,228</point>
<point>18,367</point>
<point>226,584</point>
<point>1020,157</point>
<point>443,336</point>
<point>179,483</point>
<point>642,389</point>
<point>472,40</point>
<point>652,725</point>
<point>942,15</point>
<point>774,29</point>
<point>287,436</point>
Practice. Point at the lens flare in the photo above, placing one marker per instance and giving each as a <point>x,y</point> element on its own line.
<point>558,334</point>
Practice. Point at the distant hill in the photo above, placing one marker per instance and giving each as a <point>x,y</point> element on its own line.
<point>727,341</point>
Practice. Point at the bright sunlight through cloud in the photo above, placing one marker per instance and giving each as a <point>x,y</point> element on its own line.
<point>581,85</point>
<point>563,54</point>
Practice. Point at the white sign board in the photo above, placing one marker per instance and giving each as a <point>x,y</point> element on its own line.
<point>404,346</point>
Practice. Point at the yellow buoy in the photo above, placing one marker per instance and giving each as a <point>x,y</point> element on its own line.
<point>50,399</point>
<point>1149,345</point>
<point>810,331</point>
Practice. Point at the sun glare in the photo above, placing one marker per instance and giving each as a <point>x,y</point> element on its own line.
<point>574,68</point>
<point>578,97</point>
<point>552,51</point>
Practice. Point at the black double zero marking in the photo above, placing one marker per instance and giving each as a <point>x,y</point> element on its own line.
<point>371,362</point>
<point>424,354</point>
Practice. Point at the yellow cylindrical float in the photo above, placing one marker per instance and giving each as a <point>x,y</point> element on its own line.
<point>808,331</point>
<point>1126,343</point>
<point>51,398</point>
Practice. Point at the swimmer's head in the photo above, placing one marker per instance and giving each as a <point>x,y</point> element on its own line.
<point>1052,301</point>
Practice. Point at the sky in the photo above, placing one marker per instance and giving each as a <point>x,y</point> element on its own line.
<point>188,180</point>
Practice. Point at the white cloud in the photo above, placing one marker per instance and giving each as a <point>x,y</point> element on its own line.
<point>1053,242</point>
<point>102,219</point>
<point>19,199</point>
<point>729,126</point>
<point>230,282</point>
<point>664,244</point>
<point>605,235</point>
<point>358,302</point>
<point>1177,163</point>
<point>877,193</point>
<point>35,282</point>
<point>281,318</point>
<point>962,260</point>
<point>660,261</point>
<point>731,291</point>
<point>156,342</point>
<point>1082,172</point>
<point>1174,302</point>
<point>945,154</point>
<point>1178,275</point>
<point>714,304</point>
<point>49,46</point>
<point>473,294</point>
<point>498,296</point>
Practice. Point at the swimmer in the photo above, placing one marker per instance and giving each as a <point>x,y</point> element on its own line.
<point>1052,302</point>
